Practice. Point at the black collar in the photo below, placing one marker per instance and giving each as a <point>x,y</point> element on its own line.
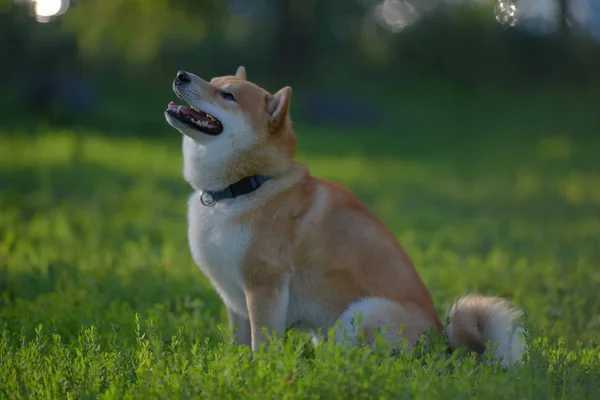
<point>240,188</point>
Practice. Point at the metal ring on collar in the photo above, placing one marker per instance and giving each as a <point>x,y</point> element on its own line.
<point>206,199</point>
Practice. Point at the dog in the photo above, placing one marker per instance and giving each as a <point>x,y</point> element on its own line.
<point>284,249</point>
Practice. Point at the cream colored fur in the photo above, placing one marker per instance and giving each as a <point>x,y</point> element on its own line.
<point>487,320</point>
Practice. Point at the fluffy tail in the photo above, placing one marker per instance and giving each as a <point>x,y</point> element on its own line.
<point>477,320</point>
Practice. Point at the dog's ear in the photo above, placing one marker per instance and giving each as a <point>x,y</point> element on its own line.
<point>241,73</point>
<point>278,106</point>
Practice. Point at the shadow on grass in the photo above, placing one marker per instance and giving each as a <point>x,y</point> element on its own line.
<point>80,182</point>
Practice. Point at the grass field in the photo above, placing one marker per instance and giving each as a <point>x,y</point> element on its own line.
<point>99,296</point>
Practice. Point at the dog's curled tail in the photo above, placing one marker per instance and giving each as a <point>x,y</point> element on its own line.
<point>476,321</point>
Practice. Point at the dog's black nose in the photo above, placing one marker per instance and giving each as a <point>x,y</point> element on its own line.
<point>182,77</point>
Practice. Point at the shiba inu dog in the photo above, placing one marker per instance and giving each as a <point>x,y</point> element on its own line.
<point>285,249</point>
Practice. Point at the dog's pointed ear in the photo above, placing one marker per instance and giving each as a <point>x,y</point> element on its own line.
<point>241,73</point>
<point>278,106</point>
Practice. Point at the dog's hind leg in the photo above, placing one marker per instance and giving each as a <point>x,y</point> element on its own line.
<point>396,323</point>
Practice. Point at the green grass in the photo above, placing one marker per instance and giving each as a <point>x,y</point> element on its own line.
<point>99,297</point>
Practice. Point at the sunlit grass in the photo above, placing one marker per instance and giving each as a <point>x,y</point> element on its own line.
<point>100,298</point>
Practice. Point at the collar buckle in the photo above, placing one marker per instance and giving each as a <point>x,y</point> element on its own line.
<point>207,200</point>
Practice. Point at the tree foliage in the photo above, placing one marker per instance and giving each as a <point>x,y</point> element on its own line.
<point>138,28</point>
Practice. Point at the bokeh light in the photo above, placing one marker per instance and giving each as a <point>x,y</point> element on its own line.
<point>506,13</point>
<point>45,10</point>
<point>395,15</point>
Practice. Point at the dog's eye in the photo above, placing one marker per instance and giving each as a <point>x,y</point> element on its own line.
<point>228,96</point>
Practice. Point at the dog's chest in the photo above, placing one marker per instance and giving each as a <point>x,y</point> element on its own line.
<point>218,243</point>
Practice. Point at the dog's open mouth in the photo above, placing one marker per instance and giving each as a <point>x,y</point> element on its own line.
<point>196,119</point>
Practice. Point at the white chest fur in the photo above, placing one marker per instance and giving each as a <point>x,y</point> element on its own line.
<point>218,244</point>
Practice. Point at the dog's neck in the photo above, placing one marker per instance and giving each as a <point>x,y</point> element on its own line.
<point>214,172</point>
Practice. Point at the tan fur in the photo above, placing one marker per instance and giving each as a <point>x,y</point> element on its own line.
<point>307,252</point>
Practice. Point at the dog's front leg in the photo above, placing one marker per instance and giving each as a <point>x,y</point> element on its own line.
<point>240,328</point>
<point>267,306</point>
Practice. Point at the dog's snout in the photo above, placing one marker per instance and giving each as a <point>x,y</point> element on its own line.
<point>182,77</point>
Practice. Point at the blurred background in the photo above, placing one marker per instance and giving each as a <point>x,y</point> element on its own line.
<point>108,64</point>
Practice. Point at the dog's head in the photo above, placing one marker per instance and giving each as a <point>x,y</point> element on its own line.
<point>232,129</point>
